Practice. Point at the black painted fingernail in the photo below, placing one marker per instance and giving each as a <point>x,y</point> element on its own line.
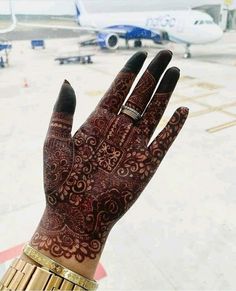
<point>66,101</point>
<point>164,52</point>
<point>159,63</point>
<point>135,63</point>
<point>184,110</point>
<point>176,68</point>
<point>67,82</point>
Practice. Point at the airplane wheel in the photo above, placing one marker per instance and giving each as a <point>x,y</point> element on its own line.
<point>137,43</point>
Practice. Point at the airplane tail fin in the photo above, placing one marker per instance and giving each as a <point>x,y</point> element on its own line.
<point>13,16</point>
<point>14,20</point>
<point>80,10</point>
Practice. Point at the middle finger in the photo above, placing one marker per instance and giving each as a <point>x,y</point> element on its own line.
<point>143,91</point>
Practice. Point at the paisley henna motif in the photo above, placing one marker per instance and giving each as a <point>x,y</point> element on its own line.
<point>94,177</point>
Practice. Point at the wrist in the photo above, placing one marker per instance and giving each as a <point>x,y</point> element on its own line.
<point>87,268</point>
<point>80,252</point>
<point>59,270</point>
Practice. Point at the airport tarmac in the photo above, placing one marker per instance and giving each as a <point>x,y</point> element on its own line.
<point>181,233</point>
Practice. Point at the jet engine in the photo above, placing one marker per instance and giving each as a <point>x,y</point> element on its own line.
<point>108,40</point>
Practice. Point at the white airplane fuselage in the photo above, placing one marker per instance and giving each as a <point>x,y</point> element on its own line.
<point>183,26</point>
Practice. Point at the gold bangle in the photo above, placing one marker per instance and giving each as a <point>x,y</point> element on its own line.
<point>22,275</point>
<point>59,269</point>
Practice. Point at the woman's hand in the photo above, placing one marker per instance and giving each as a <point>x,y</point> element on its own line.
<point>93,177</point>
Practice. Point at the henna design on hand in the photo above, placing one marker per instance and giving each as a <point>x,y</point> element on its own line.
<point>94,177</point>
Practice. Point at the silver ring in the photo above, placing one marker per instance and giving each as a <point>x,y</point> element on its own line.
<point>134,114</point>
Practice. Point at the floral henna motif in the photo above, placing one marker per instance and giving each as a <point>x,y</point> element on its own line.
<point>156,108</point>
<point>108,156</point>
<point>58,151</point>
<point>90,184</point>
<point>118,91</point>
<point>137,163</point>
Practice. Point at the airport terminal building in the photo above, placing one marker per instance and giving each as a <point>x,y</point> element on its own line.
<point>223,13</point>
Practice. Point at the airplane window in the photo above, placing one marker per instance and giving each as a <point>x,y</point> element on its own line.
<point>196,22</point>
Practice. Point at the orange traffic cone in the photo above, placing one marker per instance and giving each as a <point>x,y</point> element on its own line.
<point>26,84</point>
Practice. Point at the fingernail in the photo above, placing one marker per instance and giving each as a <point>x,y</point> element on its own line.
<point>184,110</point>
<point>144,52</point>
<point>165,51</point>
<point>176,68</point>
<point>135,63</point>
<point>67,82</point>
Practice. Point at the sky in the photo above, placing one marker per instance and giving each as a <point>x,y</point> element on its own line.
<point>63,7</point>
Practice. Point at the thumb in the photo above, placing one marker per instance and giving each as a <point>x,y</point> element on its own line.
<point>62,118</point>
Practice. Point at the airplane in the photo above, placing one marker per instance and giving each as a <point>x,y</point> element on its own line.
<point>188,27</point>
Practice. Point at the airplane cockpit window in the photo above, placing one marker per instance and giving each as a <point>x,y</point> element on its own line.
<point>201,22</point>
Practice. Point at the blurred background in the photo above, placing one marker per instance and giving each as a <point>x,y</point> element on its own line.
<point>181,233</point>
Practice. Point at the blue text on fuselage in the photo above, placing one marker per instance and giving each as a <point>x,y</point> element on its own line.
<point>161,21</point>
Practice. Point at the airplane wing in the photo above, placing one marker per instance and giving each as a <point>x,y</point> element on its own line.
<point>8,29</point>
<point>70,27</point>
<point>125,31</point>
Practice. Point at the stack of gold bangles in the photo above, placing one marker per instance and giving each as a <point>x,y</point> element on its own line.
<point>50,276</point>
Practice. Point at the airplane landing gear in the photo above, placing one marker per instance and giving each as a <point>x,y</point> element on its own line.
<point>127,43</point>
<point>137,43</point>
<point>187,54</point>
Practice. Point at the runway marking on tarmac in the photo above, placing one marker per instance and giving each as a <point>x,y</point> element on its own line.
<point>210,109</point>
<point>208,86</point>
<point>211,89</point>
<point>95,93</point>
<point>185,98</point>
<point>187,78</point>
<point>221,126</point>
